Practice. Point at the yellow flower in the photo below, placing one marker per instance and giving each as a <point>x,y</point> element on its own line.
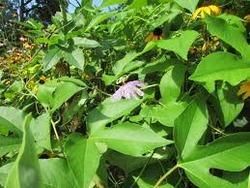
<point>157,34</point>
<point>244,90</point>
<point>206,10</point>
<point>42,79</point>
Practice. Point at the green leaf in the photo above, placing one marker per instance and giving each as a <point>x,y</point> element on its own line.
<point>150,176</point>
<point>13,90</point>
<point>137,4</point>
<point>51,58</point>
<point>127,63</point>
<point>160,65</point>
<point>40,128</point>
<point>45,93</point>
<point>85,43</point>
<point>188,4</point>
<point>56,173</point>
<point>112,2</point>
<point>229,153</point>
<point>130,67</point>
<point>108,111</point>
<point>75,58</point>
<point>4,171</point>
<point>166,115</point>
<point>230,104</point>
<point>108,79</point>
<point>234,21</point>
<point>167,18</point>
<point>72,80</point>
<point>229,33</point>
<point>12,119</point>
<point>74,108</point>
<point>149,46</point>
<point>25,171</point>
<point>179,44</point>
<point>171,84</point>
<point>63,92</point>
<point>221,66</point>
<point>55,92</point>
<point>130,163</point>
<point>9,144</point>
<point>130,139</point>
<point>98,19</point>
<point>240,179</point>
<point>189,127</point>
<point>83,158</point>
<point>119,65</point>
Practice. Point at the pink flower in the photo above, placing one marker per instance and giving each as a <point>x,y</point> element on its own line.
<point>129,90</point>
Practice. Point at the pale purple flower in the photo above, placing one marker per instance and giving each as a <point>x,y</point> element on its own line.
<point>130,90</point>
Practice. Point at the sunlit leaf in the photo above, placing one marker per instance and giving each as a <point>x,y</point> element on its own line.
<point>188,4</point>
<point>230,33</point>
<point>55,92</point>
<point>180,44</point>
<point>75,58</point>
<point>56,173</point>
<point>130,139</point>
<point>221,66</point>
<point>171,84</point>
<point>85,43</point>
<point>112,2</point>
<point>9,144</point>
<point>229,153</point>
<point>40,128</point>
<point>83,158</point>
<point>11,118</point>
<point>98,19</point>
<point>108,111</point>
<point>230,104</point>
<point>166,115</point>
<point>25,171</point>
<point>51,58</point>
<point>189,127</point>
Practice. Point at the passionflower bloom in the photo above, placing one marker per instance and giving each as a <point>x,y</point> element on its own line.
<point>130,90</point>
<point>211,10</point>
<point>244,90</point>
<point>157,34</point>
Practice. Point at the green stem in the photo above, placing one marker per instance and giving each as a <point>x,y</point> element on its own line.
<point>55,131</point>
<point>149,86</point>
<point>165,176</point>
<point>143,169</point>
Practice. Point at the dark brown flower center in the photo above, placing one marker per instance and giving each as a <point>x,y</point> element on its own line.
<point>157,31</point>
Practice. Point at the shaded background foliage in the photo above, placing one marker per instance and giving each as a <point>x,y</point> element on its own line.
<point>189,129</point>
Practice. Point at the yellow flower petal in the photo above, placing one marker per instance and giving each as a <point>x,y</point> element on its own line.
<point>206,10</point>
<point>196,13</point>
<point>215,10</point>
<point>244,90</point>
<point>152,37</point>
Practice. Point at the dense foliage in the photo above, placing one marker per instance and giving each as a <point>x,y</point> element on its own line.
<point>129,94</point>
